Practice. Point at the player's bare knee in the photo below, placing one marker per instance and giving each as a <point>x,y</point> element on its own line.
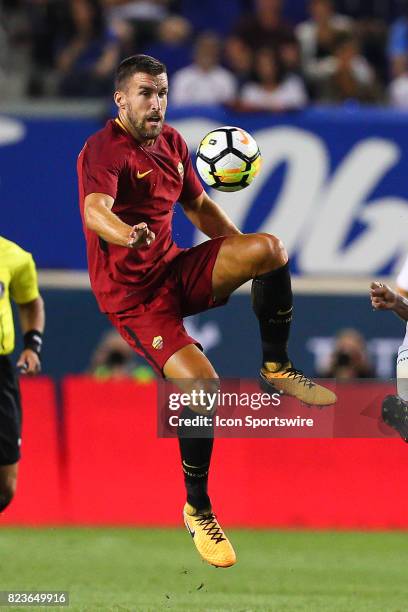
<point>204,395</point>
<point>270,253</point>
<point>7,491</point>
<point>274,250</point>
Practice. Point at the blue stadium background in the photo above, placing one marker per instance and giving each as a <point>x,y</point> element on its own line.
<point>309,157</point>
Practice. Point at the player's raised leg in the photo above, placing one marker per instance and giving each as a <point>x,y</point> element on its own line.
<point>263,258</point>
<point>196,444</point>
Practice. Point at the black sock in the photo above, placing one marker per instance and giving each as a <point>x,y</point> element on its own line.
<point>196,444</point>
<point>272,303</point>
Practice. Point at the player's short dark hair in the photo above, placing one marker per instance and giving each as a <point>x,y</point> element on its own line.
<point>137,63</point>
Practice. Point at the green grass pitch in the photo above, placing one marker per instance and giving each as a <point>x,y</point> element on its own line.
<point>147,570</point>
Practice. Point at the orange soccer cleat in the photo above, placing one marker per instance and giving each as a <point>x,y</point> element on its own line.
<point>287,380</point>
<point>210,540</point>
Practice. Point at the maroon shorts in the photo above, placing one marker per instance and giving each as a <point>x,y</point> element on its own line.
<point>155,329</point>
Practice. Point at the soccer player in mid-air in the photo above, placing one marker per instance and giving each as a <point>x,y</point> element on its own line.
<point>18,282</point>
<point>395,407</point>
<point>131,174</point>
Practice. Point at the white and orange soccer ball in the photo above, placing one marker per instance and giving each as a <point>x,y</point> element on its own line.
<point>228,159</point>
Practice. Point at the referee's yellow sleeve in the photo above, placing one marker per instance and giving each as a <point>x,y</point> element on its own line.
<point>24,284</point>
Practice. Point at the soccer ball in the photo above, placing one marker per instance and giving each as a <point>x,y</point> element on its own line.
<point>228,159</point>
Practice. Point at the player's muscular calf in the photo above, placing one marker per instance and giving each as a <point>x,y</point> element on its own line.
<point>244,257</point>
<point>8,484</point>
<point>191,370</point>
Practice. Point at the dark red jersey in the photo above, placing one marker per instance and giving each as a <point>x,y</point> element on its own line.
<point>146,182</point>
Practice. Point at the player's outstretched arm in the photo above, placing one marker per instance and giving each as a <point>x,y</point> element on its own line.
<point>100,219</point>
<point>208,217</point>
<point>384,298</point>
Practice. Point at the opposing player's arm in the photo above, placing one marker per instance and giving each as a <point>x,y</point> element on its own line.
<point>402,292</point>
<point>402,280</point>
<point>401,307</point>
<point>100,219</point>
<point>384,298</point>
<point>208,217</point>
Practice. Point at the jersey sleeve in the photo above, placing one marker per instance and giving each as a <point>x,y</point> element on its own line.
<point>100,170</point>
<point>24,284</point>
<point>192,187</point>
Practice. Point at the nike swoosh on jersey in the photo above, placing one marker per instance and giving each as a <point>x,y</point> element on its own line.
<point>140,175</point>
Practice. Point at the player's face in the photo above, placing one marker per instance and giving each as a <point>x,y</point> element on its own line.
<point>145,103</point>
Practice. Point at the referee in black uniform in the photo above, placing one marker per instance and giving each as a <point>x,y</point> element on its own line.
<point>18,282</point>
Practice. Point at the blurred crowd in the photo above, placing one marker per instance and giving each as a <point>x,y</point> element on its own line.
<point>249,54</point>
<point>349,358</point>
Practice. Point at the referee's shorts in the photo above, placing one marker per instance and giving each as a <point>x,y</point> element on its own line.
<point>10,413</point>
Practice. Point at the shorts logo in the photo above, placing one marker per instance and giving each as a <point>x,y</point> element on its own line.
<point>157,343</point>
<point>180,169</point>
<point>2,289</point>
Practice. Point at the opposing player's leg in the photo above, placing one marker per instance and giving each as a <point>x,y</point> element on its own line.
<point>395,407</point>
<point>402,369</point>
<point>190,364</point>
<point>263,258</point>
<point>8,484</point>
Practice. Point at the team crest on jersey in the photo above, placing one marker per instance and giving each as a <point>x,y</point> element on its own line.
<point>2,289</point>
<point>180,169</point>
<point>157,343</point>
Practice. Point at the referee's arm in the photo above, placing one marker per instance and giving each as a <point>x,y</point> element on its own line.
<point>24,292</point>
<point>32,317</point>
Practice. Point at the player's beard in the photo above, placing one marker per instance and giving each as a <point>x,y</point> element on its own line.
<point>142,128</point>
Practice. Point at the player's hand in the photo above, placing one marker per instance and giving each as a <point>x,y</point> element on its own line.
<point>140,236</point>
<point>382,297</point>
<point>29,362</point>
